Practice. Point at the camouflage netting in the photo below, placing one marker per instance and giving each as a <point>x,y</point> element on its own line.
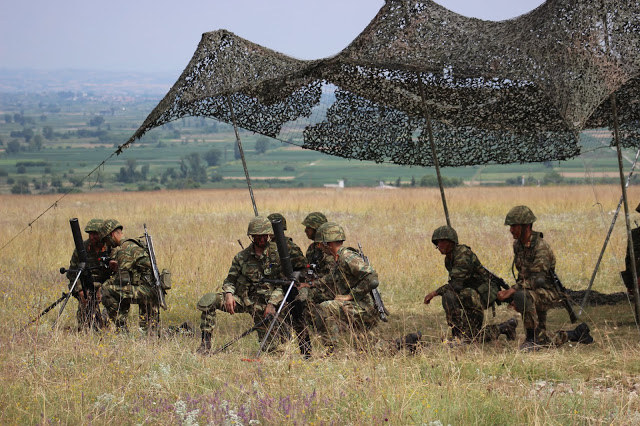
<point>519,90</point>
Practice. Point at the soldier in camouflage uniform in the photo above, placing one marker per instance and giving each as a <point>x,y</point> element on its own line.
<point>242,291</point>
<point>468,293</point>
<point>627,276</point>
<point>131,282</point>
<point>315,256</point>
<point>534,293</point>
<point>343,299</point>
<point>95,249</point>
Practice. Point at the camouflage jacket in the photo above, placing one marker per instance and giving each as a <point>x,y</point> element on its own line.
<point>466,271</point>
<point>100,273</point>
<point>534,263</point>
<point>298,261</point>
<point>134,265</point>
<point>349,275</point>
<point>247,269</point>
<point>324,262</point>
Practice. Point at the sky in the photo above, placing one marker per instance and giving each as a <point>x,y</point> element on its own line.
<point>161,35</point>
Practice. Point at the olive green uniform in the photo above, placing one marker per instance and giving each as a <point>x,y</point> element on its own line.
<point>467,294</point>
<point>349,275</point>
<point>132,283</point>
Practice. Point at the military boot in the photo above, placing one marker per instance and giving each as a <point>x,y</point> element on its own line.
<point>580,334</point>
<point>508,328</point>
<point>410,341</point>
<point>534,341</point>
<point>205,345</point>
<point>304,343</point>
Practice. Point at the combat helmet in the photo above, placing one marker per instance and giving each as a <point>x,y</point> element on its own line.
<point>329,232</point>
<point>277,216</point>
<point>520,215</point>
<point>93,225</point>
<point>108,226</point>
<point>259,225</point>
<point>314,220</point>
<point>444,233</point>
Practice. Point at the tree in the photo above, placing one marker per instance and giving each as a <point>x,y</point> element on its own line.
<point>262,145</point>
<point>8,118</point>
<point>96,120</point>
<point>28,133</point>
<point>21,187</point>
<point>191,168</point>
<point>48,133</point>
<point>13,147</point>
<point>398,183</point>
<point>212,157</point>
<point>36,143</point>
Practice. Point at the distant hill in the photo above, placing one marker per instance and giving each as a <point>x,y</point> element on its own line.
<point>90,81</point>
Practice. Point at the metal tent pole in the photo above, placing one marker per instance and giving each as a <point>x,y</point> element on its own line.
<point>634,272</point>
<point>436,163</point>
<point>606,240</point>
<point>244,162</point>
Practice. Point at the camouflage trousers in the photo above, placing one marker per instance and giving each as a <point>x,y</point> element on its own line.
<point>465,316</point>
<point>533,305</point>
<point>212,302</point>
<point>117,300</point>
<point>334,319</point>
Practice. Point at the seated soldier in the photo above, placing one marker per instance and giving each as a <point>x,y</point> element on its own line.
<point>244,292</point>
<point>342,297</point>
<point>132,281</point>
<point>468,293</point>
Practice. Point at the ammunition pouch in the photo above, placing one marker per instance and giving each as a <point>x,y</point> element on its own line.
<point>488,293</point>
<point>123,278</point>
<point>165,279</point>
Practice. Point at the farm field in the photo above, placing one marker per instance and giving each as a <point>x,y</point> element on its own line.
<point>64,377</point>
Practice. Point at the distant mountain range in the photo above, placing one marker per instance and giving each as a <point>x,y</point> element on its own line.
<point>88,81</point>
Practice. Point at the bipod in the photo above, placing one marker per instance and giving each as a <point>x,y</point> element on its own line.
<point>73,286</point>
<point>244,334</point>
<point>47,309</point>
<point>275,319</point>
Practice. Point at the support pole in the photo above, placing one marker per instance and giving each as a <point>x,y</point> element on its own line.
<point>244,162</point>
<point>606,240</point>
<point>436,163</point>
<point>634,272</point>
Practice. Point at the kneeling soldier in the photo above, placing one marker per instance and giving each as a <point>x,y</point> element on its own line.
<point>534,292</point>
<point>345,301</point>
<point>468,293</point>
<point>132,281</point>
<point>243,291</point>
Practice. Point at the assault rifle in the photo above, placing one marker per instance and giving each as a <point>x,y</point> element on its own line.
<point>563,296</point>
<point>375,294</point>
<point>502,285</point>
<point>154,268</point>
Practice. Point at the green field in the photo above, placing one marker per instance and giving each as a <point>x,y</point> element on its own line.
<point>76,145</point>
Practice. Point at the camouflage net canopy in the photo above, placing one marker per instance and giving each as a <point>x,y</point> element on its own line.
<point>519,90</point>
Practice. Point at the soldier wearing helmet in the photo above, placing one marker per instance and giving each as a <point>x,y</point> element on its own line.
<point>342,297</point>
<point>95,250</point>
<point>243,291</point>
<point>468,293</point>
<point>534,292</point>
<point>315,256</point>
<point>131,281</point>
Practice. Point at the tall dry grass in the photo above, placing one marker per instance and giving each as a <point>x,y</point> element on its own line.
<point>64,377</point>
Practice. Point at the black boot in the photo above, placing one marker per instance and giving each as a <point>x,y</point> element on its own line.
<point>580,334</point>
<point>410,341</point>
<point>304,343</point>
<point>205,345</point>
<point>508,328</point>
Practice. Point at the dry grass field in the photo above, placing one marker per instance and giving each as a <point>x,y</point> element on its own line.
<point>64,377</point>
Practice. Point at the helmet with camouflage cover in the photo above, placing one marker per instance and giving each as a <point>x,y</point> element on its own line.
<point>329,232</point>
<point>259,225</point>
<point>444,233</point>
<point>108,226</point>
<point>93,225</point>
<point>314,220</point>
<point>520,215</point>
<point>277,216</point>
